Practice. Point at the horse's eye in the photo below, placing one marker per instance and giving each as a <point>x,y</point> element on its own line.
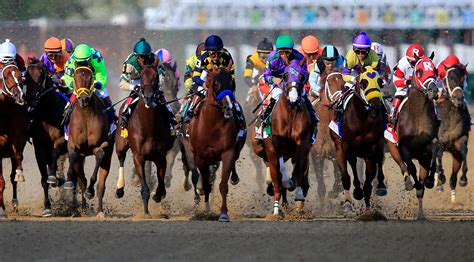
<point>380,82</point>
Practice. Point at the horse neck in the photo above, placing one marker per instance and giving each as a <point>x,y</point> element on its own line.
<point>93,109</point>
<point>417,102</point>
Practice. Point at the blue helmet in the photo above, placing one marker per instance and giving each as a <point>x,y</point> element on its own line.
<point>330,53</point>
<point>213,43</point>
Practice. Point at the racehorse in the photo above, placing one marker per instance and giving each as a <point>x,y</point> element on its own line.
<point>88,135</point>
<point>324,147</point>
<point>46,129</point>
<point>214,135</point>
<point>361,135</point>
<point>454,129</point>
<point>149,137</point>
<point>291,131</point>
<point>13,116</point>
<point>417,131</point>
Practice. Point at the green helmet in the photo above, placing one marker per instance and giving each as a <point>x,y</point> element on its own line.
<point>83,52</point>
<point>284,41</point>
<point>142,47</point>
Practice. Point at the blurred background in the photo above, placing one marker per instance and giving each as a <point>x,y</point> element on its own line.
<point>113,26</point>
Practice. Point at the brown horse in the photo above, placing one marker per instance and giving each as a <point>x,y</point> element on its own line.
<point>46,129</point>
<point>323,149</point>
<point>417,132</point>
<point>290,138</point>
<point>149,137</point>
<point>88,135</point>
<point>454,130</point>
<point>13,116</point>
<point>214,135</point>
<point>361,135</point>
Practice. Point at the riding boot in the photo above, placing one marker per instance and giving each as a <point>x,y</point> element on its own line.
<point>128,109</point>
<point>171,116</point>
<point>265,114</point>
<point>239,116</point>
<point>189,114</point>
<point>397,100</point>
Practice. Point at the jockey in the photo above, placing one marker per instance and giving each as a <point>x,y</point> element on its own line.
<point>130,80</point>
<point>255,65</point>
<point>379,50</point>
<point>273,72</point>
<point>331,61</point>
<point>83,55</point>
<point>214,56</point>
<point>311,50</point>
<point>191,65</point>
<point>402,77</point>
<point>67,45</point>
<point>166,58</point>
<point>54,60</point>
<point>359,57</point>
<point>447,63</point>
<point>9,55</point>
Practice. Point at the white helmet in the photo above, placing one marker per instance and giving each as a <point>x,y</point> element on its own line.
<point>7,51</point>
<point>378,48</point>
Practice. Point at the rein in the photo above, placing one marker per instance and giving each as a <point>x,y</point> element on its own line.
<point>6,88</point>
<point>330,96</point>
<point>447,87</point>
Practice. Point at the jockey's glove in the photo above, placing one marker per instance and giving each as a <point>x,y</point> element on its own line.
<point>98,85</point>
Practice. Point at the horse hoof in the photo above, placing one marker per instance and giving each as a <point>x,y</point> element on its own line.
<point>439,189</point>
<point>347,206</point>
<point>463,181</point>
<point>100,215</point>
<point>442,179</point>
<point>299,205</point>
<point>119,192</point>
<point>234,179</point>
<point>186,185</point>
<point>224,218</point>
<point>287,183</point>
<point>89,194</point>
<point>358,194</point>
<point>47,213</point>
<point>158,197</point>
<point>270,190</point>
<point>381,191</point>
<point>429,182</point>
<point>15,203</point>
<point>52,180</point>
<point>68,185</point>
<point>408,183</point>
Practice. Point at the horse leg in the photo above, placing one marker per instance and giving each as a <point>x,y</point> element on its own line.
<point>337,186</point>
<point>170,158</point>
<point>457,160</point>
<point>228,166</point>
<point>186,168</point>
<point>425,164</point>
<point>357,193</point>
<point>411,172</point>
<point>145,191</point>
<point>161,188</point>
<point>272,164</point>
<point>463,152</point>
<point>103,173</point>
<point>99,156</point>
<point>395,153</point>
<point>18,159</point>
<point>318,164</point>
<point>370,172</point>
<point>345,178</point>
<point>71,176</point>
<point>299,170</point>
<point>2,189</point>
<point>204,180</point>
<point>41,161</point>
<point>53,168</point>
<point>440,177</point>
<point>81,181</point>
<point>381,189</point>
<point>13,176</point>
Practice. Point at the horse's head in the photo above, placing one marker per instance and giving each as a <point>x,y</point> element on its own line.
<point>220,85</point>
<point>294,78</point>
<point>370,82</point>
<point>453,84</point>
<point>168,81</point>
<point>424,77</point>
<point>12,82</point>
<point>83,84</point>
<point>333,83</point>
<point>149,89</point>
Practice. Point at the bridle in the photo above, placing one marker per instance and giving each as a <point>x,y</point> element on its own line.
<point>17,84</point>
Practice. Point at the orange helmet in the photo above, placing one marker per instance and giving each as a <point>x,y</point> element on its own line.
<point>53,44</point>
<point>310,44</point>
<point>414,49</point>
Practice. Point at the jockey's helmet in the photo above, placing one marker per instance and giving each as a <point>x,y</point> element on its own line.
<point>7,52</point>
<point>451,60</point>
<point>330,53</point>
<point>284,42</point>
<point>142,47</point>
<point>164,55</point>
<point>310,44</point>
<point>83,52</point>
<point>414,49</point>
<point>52,45</point>
<point>213,43</point>
<point>378,48</point>
<point>265,46</point>
<point>67,45</point>
<point>361,41</point>
<point>199,49</point>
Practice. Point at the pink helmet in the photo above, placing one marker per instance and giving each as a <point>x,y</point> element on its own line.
<point>164,55</point>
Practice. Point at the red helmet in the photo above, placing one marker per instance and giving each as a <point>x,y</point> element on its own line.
<point>451,60</point>
<point>414,49</point>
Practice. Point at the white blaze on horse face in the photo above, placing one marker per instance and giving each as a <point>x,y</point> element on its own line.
<point>293,94</point>
<point>427,66</point>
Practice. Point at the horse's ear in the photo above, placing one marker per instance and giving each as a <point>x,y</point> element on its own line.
<point>432,55</point>
<point>156,61</point>
<point>285,77</point>
<point>380,82</point>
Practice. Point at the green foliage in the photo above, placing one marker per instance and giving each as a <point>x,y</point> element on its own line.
<point>28,9</point>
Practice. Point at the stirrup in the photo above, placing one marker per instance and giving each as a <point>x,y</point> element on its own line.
<point>124,133</point>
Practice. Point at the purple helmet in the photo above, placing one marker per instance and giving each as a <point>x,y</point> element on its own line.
<point>362,41</point>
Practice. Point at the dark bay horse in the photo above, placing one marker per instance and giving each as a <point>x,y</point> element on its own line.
<point>13,120</point>
<point>323,149</point>
<point>362,129</point>
<point>290,138</point>
<point>149,137</point>
<point>454,129</point>
<point>214,135</point>
<point>46,129</point>
<point>417,132</point>
<point>88,135</point>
